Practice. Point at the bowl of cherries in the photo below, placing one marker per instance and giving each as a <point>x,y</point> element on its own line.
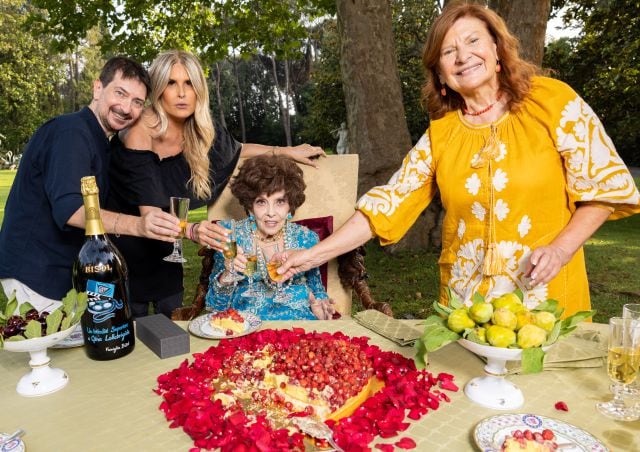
<point>31,331</point>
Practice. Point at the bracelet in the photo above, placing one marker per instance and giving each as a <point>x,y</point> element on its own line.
<point>194,232</point>
<point>115,225</point>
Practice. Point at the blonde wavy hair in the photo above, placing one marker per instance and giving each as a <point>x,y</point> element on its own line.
<point>514,78</point>
<point>199,131</point>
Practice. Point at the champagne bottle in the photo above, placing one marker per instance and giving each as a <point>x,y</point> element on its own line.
<point>101,271</point>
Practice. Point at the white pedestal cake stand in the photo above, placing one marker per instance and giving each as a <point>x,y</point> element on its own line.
<point>493,390</point>
<point>42,379</point>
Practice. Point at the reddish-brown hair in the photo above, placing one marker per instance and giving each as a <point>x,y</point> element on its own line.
<point>268,175</point>
<point>514,78</point>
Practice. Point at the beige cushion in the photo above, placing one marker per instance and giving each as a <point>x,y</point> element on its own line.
<point>331,190</point>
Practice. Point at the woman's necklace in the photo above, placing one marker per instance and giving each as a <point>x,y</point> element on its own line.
<point>484,110</point>
<point>274,238</point>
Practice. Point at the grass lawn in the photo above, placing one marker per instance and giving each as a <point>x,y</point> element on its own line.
<point>409,280</point>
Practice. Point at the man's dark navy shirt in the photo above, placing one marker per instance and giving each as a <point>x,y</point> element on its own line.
<point>37,247</point>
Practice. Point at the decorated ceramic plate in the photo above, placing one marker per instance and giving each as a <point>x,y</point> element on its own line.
<point>75,339</point>
<point>15,445</point>
<point>201,327</point>
<point>490,433</point>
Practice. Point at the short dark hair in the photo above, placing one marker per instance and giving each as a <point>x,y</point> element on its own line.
<point>268,175</point>
<point>129,69</point>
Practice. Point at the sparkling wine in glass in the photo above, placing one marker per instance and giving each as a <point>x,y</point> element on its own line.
<point>250,269</point>
<point>230,250</point>
<point>273,262</point>
<point>632,311</point>
<point>178,207</point>
<point>623,360</point>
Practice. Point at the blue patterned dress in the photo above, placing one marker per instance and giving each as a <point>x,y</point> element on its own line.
<point>220,297</point>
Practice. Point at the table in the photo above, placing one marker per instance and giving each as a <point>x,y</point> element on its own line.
<point>110,406</point>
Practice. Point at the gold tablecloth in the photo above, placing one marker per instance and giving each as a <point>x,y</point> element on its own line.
<point>110,406</point>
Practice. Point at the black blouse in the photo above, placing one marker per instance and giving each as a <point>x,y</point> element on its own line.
<point>141,178</point>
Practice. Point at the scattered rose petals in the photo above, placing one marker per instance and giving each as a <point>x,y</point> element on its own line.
<point>188,399</point>
<point>406,443</point>
<point>561,406</point>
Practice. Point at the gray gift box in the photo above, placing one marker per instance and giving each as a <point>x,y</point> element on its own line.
<point>162,336</point>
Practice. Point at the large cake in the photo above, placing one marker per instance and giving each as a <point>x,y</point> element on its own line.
<point>315,377</point>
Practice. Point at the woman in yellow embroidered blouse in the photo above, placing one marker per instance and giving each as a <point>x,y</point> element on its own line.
<point>525,169</point>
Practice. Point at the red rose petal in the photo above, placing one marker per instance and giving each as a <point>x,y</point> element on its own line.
<point>561,406</point>
<point>406,443</point>
<point>385,447</point>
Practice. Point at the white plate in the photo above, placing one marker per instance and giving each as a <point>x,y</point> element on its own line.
<point>490,433</point>
<point>75,339</point>
<point>15,445</point>
<point>201,327</point>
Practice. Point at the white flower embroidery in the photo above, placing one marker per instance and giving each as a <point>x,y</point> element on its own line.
<point>524,226</point>
<point>501,209</point>
<point>500,180</point>
<point>473,184</point>
<point>461,228</point>
<point>478,211</point>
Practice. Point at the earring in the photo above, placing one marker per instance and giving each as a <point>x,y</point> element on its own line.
<point>498,67</point>
<point>289,216</point>
<point>443,91</point>
<point>252,218</point>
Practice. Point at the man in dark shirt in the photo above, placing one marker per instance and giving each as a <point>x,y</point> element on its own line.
<point>42,232</point>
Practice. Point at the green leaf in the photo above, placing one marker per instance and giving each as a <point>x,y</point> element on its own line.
<point>553,335</point>
<point>472,335</point>
<point>66,323</point>
<point>69,302</point>
<point>573,320</point>
<point>420,358</point>
<point>532,360</point>
<point>53,321</point>
<point>34,329</point>
<point>477,298</point>
<point>25,307</point>
<point>436,334</point>
<point>519,294</point>
<point>11,306</point>
<point>548,306</point>
<point>16,338</point>
<point>442,309</point>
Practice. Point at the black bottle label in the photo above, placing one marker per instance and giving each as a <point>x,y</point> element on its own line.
<point>109,335</point>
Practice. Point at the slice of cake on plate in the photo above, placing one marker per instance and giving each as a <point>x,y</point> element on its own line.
<point>530,441</point>
<point>230,321</point>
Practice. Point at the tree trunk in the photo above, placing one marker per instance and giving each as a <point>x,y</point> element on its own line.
<point>243,131</point>
<point>219,97</point>
<point>287,101</point>
<point>375,114</point>
<point>528,21</point>
<point>284,113</point>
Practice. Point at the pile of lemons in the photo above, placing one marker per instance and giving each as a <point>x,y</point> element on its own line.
<point>504,322</point>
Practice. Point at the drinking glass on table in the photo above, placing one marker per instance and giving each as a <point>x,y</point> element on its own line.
<point>632,311</point>
<point>623,360</point>
<point>230,250</point>
<point>273,261</point>
<point>178,207</point>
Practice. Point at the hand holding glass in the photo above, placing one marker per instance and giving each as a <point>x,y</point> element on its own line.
<point>623,360</point>
<point>273,262</point>
<point>178,207</point>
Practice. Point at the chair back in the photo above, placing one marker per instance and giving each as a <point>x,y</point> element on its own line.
<point>331,191</point>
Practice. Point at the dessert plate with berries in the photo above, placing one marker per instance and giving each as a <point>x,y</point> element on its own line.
<point>225,324</point>
<point>506,432</point>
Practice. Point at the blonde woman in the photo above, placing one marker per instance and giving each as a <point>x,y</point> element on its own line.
<point>175,149</point>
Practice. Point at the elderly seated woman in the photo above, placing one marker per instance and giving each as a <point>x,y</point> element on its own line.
<point>270,189</point>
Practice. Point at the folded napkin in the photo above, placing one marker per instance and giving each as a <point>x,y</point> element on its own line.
<point>400,332</point>
<point>582,348</point>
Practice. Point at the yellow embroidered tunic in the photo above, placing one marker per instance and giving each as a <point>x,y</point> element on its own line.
<point>552,154</point>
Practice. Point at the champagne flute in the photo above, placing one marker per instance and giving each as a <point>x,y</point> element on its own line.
<point>178,207</point>
<point>250,270</point>
<point>632,311</point>
<point>623,360</point>
<point>272,263</point>
<point>230,251</point>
